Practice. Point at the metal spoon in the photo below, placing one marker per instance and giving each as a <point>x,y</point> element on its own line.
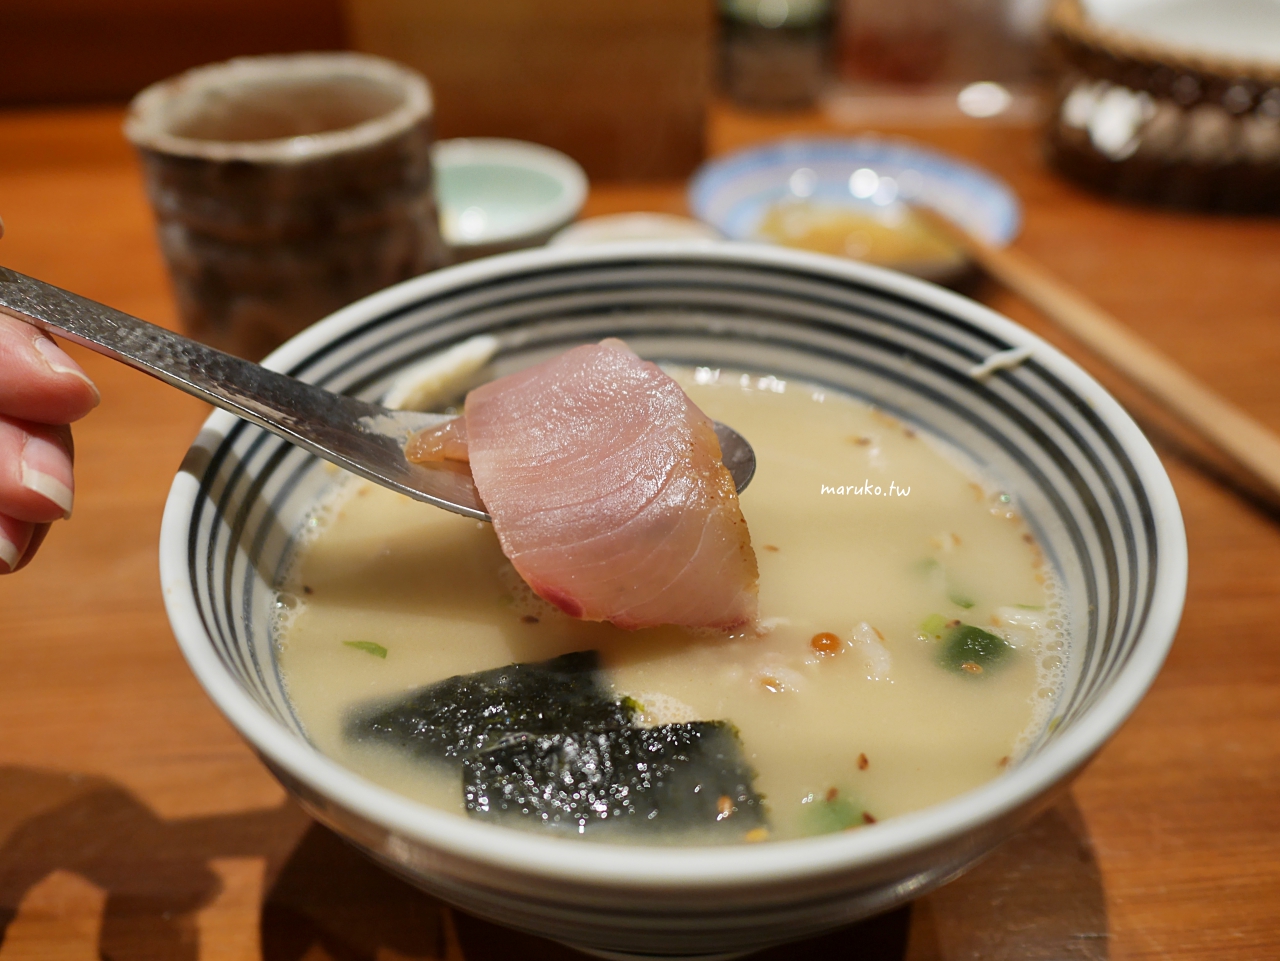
<point>361,437</point>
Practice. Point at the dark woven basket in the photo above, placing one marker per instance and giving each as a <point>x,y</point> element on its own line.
<point>1150,123</point>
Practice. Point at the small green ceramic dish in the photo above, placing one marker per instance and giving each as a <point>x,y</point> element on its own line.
<point>497,195</point>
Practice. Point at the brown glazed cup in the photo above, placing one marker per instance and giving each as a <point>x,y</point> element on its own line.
<point>285,187</point>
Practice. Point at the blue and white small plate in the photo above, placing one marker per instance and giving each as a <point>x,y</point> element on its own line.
<point>735,193</point>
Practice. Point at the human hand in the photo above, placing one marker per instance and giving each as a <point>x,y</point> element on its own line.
<point>42,390</point>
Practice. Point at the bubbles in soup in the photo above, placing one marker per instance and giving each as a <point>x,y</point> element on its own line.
<point>912,642</point>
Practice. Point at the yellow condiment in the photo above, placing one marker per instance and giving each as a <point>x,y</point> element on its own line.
<point>891,237</point>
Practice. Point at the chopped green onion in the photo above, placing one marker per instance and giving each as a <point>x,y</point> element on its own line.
<point>934,625</point>
<point>370,647</point>
<point>960,599</point>
<point>826,816</point>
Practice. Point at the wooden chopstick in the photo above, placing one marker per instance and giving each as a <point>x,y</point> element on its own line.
<point>1229,430</point>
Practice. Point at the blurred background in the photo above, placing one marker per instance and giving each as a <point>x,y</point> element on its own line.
<point>634,97</point>
<point>620,87</point>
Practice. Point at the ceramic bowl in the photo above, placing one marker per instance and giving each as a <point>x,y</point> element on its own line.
<point>499,195</point>
<point>873,176</point>
<point>1084,477</point>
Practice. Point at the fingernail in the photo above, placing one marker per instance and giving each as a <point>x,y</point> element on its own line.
<point>9,553</point>
<point>60,361</point>
<point>42,462</point>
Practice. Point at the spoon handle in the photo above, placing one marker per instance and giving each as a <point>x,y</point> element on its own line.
<point>363,438</point>
<point>271,400</point>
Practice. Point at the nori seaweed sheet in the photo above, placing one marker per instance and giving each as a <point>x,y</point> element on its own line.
<point>677,778</point>
<point>466,713</point>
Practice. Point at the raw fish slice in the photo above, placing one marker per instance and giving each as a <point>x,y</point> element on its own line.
<point>673,779</point>
<point>446,442</point>
<point>608,494</point>
<point>466,713</point>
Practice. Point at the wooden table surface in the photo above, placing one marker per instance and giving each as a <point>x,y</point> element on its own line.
<point>134,824</point>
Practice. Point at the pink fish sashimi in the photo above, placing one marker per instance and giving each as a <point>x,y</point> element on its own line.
<point>608,494</point>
